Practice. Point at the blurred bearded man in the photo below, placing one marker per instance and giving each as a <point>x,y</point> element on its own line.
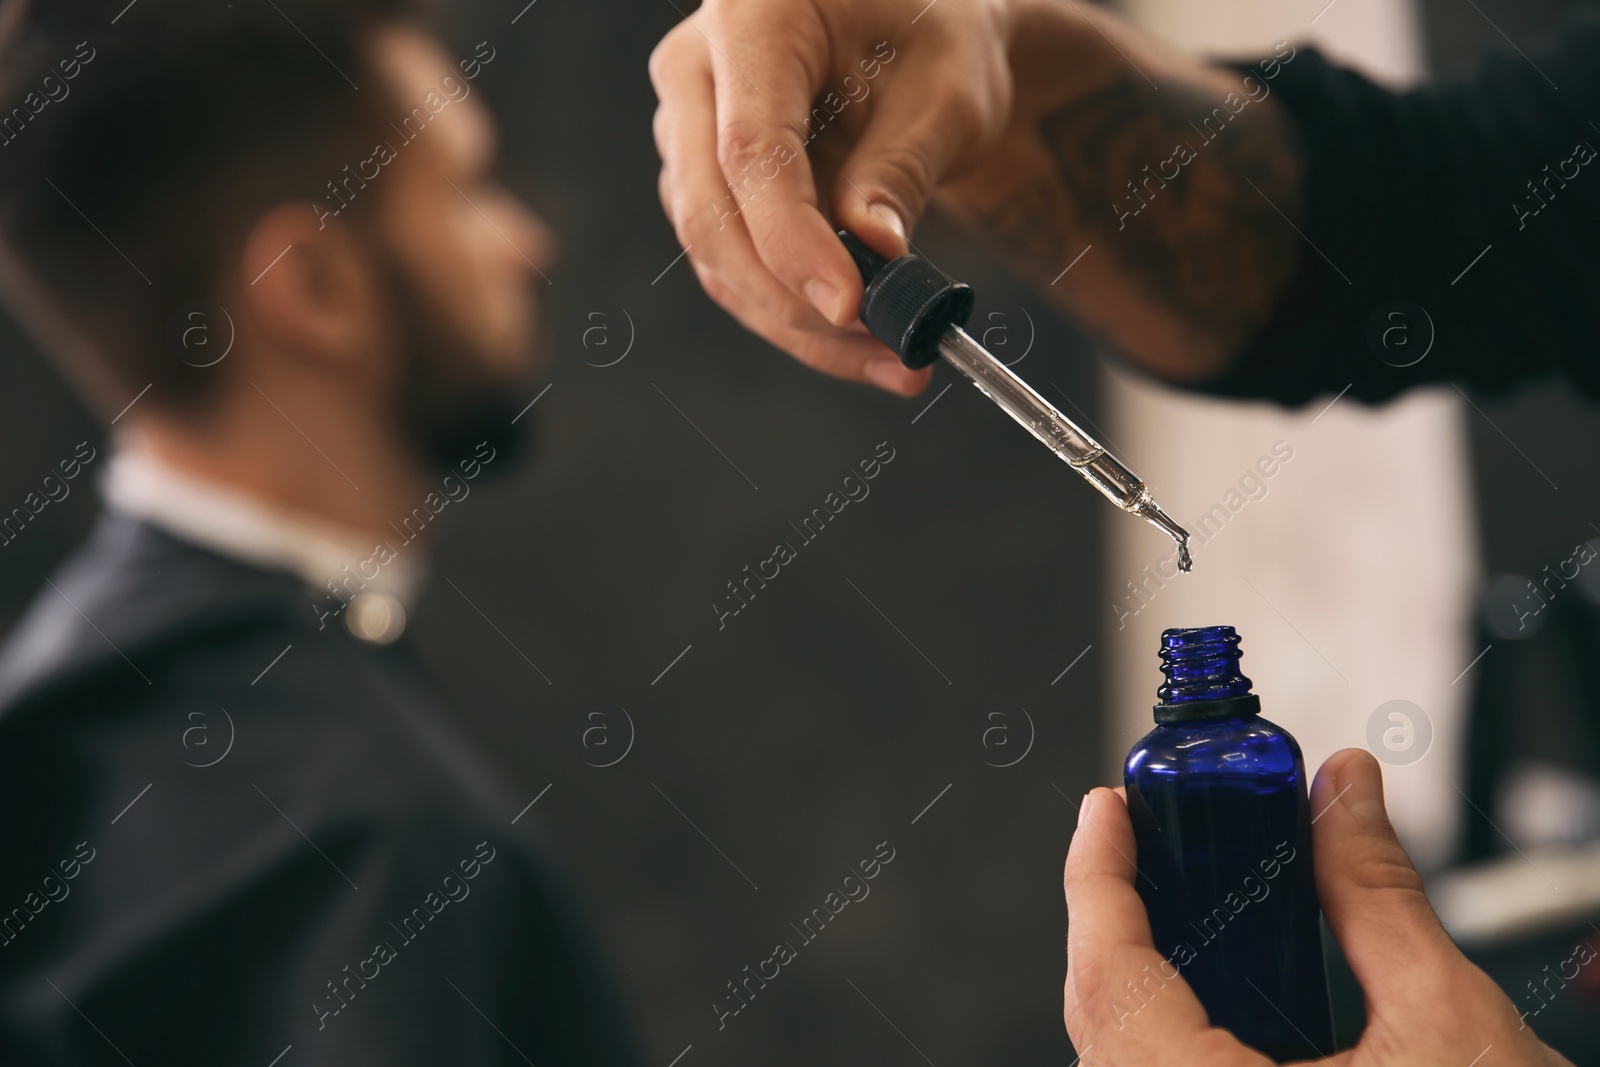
<point>236,826</point>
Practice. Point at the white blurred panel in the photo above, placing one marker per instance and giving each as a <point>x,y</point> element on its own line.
<point>1349,571</point>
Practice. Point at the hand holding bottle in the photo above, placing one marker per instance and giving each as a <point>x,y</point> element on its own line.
<point>1426,1003</point>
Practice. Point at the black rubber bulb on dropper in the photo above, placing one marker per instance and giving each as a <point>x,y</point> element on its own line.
<point>908,303</point>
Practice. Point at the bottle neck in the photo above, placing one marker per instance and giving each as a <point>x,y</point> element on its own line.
<point>1201,676</point>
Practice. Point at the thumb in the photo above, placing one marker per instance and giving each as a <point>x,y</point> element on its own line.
<point>924,128</point>
<point>1371,894</point>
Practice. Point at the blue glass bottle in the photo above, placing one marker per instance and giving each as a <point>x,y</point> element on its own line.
<point>1221,816</point>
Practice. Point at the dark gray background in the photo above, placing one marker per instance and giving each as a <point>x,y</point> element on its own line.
<point>809,730</point>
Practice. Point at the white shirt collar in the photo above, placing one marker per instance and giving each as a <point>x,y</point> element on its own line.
<point>235,524</point>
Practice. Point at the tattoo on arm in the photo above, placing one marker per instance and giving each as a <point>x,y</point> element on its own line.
<point>1161,181</point>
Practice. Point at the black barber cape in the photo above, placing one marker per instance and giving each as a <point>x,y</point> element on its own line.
<point>213,850</point>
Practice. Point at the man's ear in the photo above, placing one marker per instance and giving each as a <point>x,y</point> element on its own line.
<point>311,287</point>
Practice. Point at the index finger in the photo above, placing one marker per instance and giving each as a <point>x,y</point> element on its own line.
<point>1123,999</point>
<point>768,64</point>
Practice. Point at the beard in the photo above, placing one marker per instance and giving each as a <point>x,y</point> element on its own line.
<point>451,401</point>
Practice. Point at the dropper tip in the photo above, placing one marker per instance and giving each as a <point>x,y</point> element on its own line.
<point>1152,513</point>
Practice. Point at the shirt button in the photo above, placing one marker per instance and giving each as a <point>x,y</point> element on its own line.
<point>375,618</point>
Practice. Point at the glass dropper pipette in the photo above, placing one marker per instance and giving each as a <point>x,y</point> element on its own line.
<point>913,308</point>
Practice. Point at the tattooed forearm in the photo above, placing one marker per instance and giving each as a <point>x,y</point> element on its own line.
<point>1184,185</point>
<point>1178,190</point>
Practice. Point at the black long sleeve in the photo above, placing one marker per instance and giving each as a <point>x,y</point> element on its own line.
<point>1477,201</point>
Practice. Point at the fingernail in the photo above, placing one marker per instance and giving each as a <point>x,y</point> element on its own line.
<point>890,216</point>
<point>886,374</point>
<point>825,298</point>
<point>1083,807</point>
